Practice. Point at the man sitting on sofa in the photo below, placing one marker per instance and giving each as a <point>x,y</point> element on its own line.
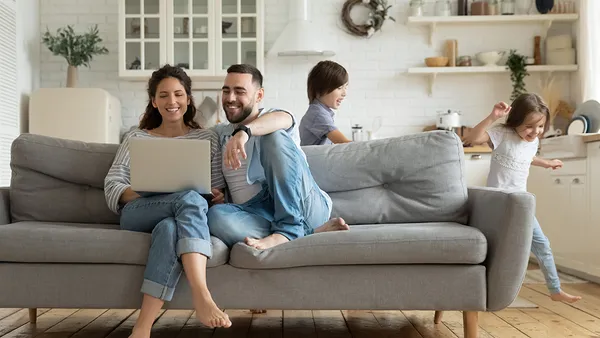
<point>275,196</point>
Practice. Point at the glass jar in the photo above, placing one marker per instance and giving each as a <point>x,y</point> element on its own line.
<point>493,7</point>
<point>464,61</point>
<point>508,7</point>
<point>443,8</point>
<point>416,7</point>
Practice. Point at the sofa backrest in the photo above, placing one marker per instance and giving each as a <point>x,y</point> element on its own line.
<point>413,178</point>
<point>59,180</point>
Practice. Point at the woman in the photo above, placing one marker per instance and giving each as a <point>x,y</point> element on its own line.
<point>177,221</point>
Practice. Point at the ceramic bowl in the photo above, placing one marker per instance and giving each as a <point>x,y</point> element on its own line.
<point>489,58</point>
<point>436,61</point>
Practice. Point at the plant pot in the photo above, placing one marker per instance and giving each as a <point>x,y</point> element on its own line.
<point>71,76</point>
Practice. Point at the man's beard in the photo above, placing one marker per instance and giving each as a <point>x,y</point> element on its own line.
<point>246,111</point>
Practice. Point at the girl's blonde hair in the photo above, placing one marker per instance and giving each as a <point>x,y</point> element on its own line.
<point>523,106</point>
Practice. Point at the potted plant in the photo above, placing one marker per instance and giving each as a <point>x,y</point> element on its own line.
<point>518,71</point>
<point>77,49</point>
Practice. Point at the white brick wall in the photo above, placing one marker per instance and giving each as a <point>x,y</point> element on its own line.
<point>378,84</point>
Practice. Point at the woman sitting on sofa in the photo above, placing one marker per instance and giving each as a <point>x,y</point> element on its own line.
<point>177,221</point>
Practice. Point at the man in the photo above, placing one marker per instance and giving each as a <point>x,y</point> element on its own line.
<point>275,196</point>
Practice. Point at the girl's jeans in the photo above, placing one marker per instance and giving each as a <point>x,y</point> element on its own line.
<point>540,247</point>
<point>178,225</point>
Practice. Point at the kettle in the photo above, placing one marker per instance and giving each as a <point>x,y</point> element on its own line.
<point>448,120</point>
<point>357,133</point>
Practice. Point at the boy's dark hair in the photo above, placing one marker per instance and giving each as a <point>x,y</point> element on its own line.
<point>324,78</point>
<point>524,105</point>
<point>247,69</point>
<point>152,118</point>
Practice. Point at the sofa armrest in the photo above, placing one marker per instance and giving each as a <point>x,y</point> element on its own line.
<point>506,220</point>
<point>4,205</point>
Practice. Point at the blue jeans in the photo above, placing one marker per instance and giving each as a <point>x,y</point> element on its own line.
<point>290,202</point>
<point>178,225</point>
<point>540,247</point>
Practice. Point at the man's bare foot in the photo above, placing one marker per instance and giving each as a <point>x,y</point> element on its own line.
<point>334,224</point>
<point>257,311</point>
<point>564,297</point>
<point>209,314</point>
<point>267,242</point>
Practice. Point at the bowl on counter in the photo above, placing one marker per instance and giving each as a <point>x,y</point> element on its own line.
<point>436,61</point>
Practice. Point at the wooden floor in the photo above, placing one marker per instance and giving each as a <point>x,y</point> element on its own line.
<point>550,319</point>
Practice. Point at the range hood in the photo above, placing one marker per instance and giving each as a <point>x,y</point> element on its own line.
<point>300,37</point>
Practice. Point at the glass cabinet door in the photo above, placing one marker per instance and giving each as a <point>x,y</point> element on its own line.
<point>192,32</point>
<point>143,30</point>
<point>239,35</point>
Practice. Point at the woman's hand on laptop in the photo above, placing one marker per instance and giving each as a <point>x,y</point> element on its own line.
<point>218,196</point>
<point>235,147</point>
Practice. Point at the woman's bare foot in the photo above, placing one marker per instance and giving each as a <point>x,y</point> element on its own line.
<point>564,297</point>
<point>267,242</point>
<point>209,314</point>
<point>334,224</point>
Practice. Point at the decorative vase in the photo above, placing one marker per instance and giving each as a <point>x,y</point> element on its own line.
<point>71,76</point>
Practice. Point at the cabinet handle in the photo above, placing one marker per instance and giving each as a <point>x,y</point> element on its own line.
<point>557,181</point>
<point>476,157</point>
<point>576,180</point>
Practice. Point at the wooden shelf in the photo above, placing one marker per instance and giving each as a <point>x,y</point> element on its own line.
<point>432,72</point>
<point>433,21</point>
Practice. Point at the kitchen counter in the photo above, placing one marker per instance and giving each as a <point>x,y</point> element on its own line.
<point>478,149</point>
<point>591,138</point>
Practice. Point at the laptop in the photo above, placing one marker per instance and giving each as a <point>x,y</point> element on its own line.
<point>167,165</point>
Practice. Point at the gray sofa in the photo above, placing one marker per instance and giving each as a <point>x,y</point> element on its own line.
<point>419,239</point>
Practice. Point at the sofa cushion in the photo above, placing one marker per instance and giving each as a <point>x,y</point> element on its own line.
<point>42,242</point>
<point>406,179</point>
<point>422,243</point>
<point>58,180</point>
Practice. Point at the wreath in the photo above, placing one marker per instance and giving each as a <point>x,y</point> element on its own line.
<point>379,13</point>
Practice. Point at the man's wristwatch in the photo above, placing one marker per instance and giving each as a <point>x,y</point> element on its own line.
<point>243,128</point>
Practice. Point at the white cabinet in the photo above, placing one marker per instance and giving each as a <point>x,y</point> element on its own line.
<point>477,167</point>
<point>203,36</point>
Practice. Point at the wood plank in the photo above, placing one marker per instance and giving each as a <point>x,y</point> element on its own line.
<point>268,324</point>
<point>423,322</point>
<point>170,323</point>
<point>104,324</point>
<point>16,320</point>
<point>559,326</point>
<point>298,323</point>
<point>454,321</point>
<point>564,310</point>
<point>75,322</point>
<point>240,324</point>
<point>44,322</point>
<point>7,312</point>
<point>588,304</point>
<point>194,329</point>
<point>124,329</point>
<point>361,323</point>
<point>497,327</point>
<point>525,323</point>
<point>395,324</point>
<point>330,324</point>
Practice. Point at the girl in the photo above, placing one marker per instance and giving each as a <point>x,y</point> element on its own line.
<point>177,221</point>
<point>514,145</point>
<point>326,87</point>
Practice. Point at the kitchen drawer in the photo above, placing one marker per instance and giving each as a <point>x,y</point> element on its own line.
<point>571,167</point>
<point>569,179</point>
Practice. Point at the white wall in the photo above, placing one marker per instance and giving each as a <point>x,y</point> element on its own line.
<point>28,54</point>
<point>378,83</point>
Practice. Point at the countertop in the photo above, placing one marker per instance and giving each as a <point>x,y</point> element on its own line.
<point>591,138</point>
<point>477,149</point>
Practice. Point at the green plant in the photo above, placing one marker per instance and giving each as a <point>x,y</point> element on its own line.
<point>77,49</point>
<point>518,68</point>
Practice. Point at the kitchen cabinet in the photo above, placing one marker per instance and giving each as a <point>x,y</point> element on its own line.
<point>203,36</point>
<point>566,207</point>
<point>477,166</point>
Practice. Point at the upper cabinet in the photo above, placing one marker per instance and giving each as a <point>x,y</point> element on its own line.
<point>203,36</point>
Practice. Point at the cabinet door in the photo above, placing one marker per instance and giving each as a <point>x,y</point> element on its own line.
<point>593,223</point>
<point>240,33</point>
<point>555,214</point>
<point>576,226</point>
<point>477,167</point>
<point>142,36</point>
<point>191,31</point>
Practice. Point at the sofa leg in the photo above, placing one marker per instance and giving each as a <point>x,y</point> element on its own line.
<point>257,311</point>
<point>437,317</point>
<point>33,315</point>
<point>470,323</point>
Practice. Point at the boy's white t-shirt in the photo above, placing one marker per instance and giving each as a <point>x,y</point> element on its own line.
<point>511,159</point>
